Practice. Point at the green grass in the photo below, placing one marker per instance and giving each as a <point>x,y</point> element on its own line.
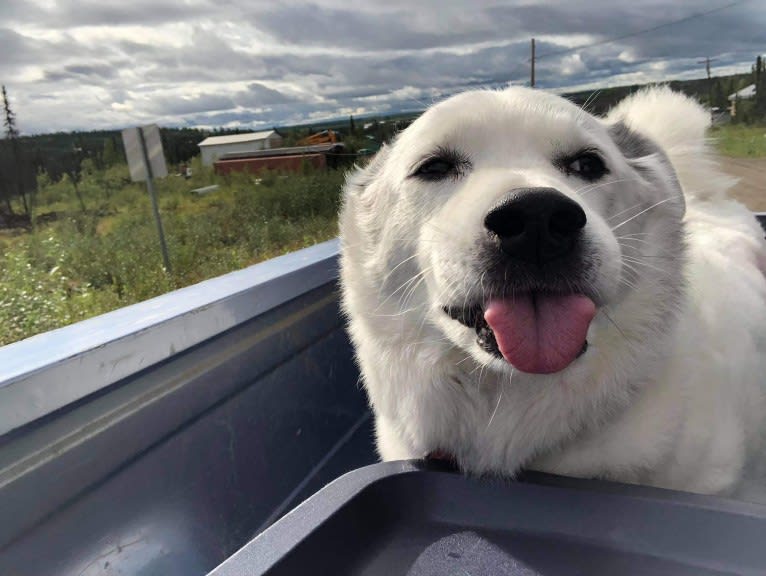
<point>75,264</point>
<point>741,141</point>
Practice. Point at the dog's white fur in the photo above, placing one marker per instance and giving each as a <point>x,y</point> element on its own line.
<point>670,391</point>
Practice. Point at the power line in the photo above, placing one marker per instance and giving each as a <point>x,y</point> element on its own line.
<point>534,57</point>
<point>639,32</point>
<point>504,79</point>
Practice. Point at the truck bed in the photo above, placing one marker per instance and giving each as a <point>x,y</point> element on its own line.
<point>174,467</point>
<point>161,438</point>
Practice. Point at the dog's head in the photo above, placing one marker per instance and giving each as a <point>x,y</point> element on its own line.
<point>518,229</point>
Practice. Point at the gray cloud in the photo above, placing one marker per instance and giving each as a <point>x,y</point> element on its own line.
<point>82,64</point>
<point>17,50</point>
<point>70,13</point>
<point>182,106</point>
<point>258,95</point>
<point>315,25</point>
<point>82,72</point>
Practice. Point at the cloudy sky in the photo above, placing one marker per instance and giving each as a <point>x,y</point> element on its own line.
<point>73,64</point>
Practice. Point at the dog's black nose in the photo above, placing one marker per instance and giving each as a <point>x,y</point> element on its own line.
<point>536,225</point>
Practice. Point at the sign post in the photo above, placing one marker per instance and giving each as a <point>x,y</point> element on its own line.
<point>146,161</point>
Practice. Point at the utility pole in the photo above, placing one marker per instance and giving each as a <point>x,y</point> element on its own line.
<point>153,196</point>
<point>532,60</point>
<point>706,62</point>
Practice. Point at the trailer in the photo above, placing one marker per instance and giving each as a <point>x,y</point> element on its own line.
<point>221,429</point>
<point>293,159</point>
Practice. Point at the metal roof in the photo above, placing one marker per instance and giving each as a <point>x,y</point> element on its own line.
<point>237,138</point>
<point>744,94</point>
<point>292,151</point>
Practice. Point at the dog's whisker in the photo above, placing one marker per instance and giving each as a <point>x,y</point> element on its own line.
<point>589,100</point>
<point>425,317</point>
<point>395,268</point>
<point>640,262</point>
<point>628,266</point>
<point>613,323</point>
<point>401,313</point>
<point>653,206</point>
<point>404,286</point>
<point>593,288</point>
<point>499,398</point>
<point>412,279</point>
<point>633,234</point>
<point>636,254</point>
<point>410,292</point>
<point>480,379</point>
<point>478,368</point>
<point>634,276</point>
<point>429,341</point>
<point>639,240</point>
<point>652,245</point>
<point>629,284</point>
<point>588,188</point>
<point>621,212</point>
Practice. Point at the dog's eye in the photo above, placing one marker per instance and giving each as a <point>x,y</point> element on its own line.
<point>442,164</point>
<point>437,169</point>
<point>586,165</point>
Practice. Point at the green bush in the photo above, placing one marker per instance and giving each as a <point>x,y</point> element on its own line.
<point>37,294</point>
<point>79,264</point>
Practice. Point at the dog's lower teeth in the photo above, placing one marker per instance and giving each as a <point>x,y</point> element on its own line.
<point>485,338</point>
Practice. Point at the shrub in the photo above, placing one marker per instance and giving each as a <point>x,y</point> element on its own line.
<point>81,264</point>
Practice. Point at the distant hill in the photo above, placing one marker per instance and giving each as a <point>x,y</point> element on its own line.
<point>56,153</point>
<point>720,88</point>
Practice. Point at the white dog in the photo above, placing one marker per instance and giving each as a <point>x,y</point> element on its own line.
<point>529,286</point>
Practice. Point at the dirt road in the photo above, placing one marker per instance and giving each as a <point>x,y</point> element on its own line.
<point>751,189</point>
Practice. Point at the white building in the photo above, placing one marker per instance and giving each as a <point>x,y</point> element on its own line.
<point>214,147</point>
<point>746,93</point>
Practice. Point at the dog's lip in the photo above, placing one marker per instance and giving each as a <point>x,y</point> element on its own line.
<point>472,316</point>
<point>467,315</point>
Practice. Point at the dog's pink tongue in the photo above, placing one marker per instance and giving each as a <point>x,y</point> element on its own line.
<point>540,334</point>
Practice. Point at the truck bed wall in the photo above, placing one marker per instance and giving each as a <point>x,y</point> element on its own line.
<point>173,469</point>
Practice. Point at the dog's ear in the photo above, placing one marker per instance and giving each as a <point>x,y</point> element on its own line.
<point>647,158</point>
<point>632,144</point>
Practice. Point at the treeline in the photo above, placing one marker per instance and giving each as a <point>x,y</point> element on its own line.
<point>24,158</point>
<point>715,90</point>
<point>56,153</point>
<point>64,154</point>
<point>714,93</point>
